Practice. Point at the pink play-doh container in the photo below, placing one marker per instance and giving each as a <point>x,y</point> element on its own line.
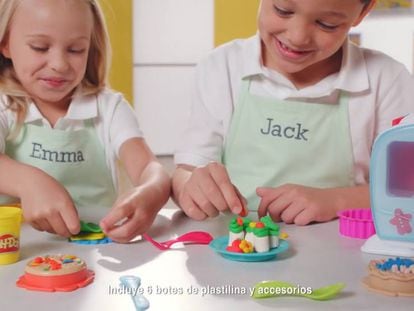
<point>356,223</point>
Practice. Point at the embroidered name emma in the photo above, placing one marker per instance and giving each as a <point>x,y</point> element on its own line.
<point>289,132</point>
<point>56,156</point>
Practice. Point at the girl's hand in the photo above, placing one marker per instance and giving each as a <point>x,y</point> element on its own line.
<point>209,191</point>
<point>47,206</point>
<point>134,212</point>
<point>298,204</point>
<point>131,215</point>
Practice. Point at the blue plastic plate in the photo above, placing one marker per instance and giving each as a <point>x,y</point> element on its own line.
<point>219,245</point>
<point>105,240</point>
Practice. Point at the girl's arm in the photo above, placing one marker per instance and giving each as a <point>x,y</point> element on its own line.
<point>46,204</point>
<point>137,207</point>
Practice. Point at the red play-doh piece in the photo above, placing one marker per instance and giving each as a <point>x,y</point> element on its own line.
<point>397,121</point>
<point>260,225</point>
<point>239,221</point>
<point>244,212</point>
<point>38,260</point>
<point>236,243</point>
<point>233,249</point>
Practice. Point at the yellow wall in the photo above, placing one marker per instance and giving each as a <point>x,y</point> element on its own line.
<point>234,19</point>
<point>118,15</point>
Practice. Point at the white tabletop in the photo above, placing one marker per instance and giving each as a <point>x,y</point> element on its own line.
<point>190,277</point>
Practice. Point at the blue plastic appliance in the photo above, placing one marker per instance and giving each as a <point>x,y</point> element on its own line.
<point>392,193</point>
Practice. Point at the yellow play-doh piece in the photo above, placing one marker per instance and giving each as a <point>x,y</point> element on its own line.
<point>246,246</point>
<point>88,236</point>
<point>284,235</point>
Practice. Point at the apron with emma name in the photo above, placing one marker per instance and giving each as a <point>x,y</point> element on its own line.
<point>74,158</point>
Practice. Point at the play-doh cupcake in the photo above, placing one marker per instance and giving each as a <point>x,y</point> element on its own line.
<point>261,238</point>
<point>249,232</point>
<point>236,230</point>
<point>274,230</point>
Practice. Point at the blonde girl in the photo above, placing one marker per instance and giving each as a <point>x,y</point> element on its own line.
<point>62,130</point>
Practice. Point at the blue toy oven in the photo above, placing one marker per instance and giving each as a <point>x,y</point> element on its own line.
<point>392,184</point>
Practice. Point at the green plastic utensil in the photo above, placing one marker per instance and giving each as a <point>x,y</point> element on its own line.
<point>268,289</point>
<point>89,227</point>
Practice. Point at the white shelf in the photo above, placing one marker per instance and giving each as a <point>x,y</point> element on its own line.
<point>390,34</point>
<point>172,31</point>
<point>162,103</point>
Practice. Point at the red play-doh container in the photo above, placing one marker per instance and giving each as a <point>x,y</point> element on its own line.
<point>63,283</point>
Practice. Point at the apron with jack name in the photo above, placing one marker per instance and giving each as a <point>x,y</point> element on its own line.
<point>272,142</point>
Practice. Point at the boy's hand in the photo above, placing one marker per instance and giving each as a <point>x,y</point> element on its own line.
<point>130,216</point>
<point>297,204</point>
<point>47,206</point>
<point>209,191</point>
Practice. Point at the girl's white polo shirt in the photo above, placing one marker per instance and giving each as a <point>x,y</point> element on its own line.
<point>114,120</point>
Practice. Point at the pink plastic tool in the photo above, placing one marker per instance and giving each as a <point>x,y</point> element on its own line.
<point>192,237</point>
<point>356,223</point>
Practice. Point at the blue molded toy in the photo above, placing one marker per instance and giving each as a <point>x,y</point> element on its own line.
<point>89,227</point>
<point>219,245</point>
<point>392,192</point>
<point>105,240</point>
<point>133,283</point>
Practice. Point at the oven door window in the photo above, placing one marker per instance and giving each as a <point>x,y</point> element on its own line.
<point>400,173</point>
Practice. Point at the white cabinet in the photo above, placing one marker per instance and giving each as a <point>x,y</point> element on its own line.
<point>172,31</point>
<point>162,102</point>
<point>170,36</point>
<point>390,34</point>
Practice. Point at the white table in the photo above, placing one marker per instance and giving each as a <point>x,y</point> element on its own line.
<point>318,256</point>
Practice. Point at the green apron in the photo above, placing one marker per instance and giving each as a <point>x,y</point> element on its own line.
<point>75,158</point>
<point>272,142</point>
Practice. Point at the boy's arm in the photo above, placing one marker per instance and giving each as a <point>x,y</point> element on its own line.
<point>180,176</point>
<point>138,206</point>
<point>302,205</point>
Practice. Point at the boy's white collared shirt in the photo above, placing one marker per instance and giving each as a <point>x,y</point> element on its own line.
<point>380,89</point>
<point>353,76</point>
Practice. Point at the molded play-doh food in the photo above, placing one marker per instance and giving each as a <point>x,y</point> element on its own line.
<point>55,273</point>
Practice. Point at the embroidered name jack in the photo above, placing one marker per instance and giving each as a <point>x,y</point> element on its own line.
<point>290,132</point>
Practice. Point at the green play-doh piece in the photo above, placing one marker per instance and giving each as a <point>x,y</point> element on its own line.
<point>234,226</point>
<point>90,227</point>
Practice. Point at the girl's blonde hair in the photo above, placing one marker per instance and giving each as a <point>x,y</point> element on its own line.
<point>96,74</point>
